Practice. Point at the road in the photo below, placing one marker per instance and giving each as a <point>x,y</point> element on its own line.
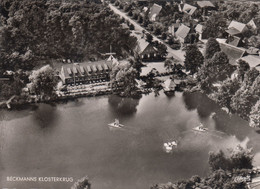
<point>177,54</point>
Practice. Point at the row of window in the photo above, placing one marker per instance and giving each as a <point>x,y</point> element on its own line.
<point>83,79</point>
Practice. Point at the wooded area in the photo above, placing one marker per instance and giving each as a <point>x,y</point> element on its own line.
<point>42,30</point>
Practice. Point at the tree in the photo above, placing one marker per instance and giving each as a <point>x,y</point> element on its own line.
<point>43,82</point>
<point>123,77</point>
<point>136,63</point>
<point>127,8</point>
<point>150,27</point>
<point>241,158</point>
<point>255,88</point>
<point>194,38</point>
<point>225,92</point>
<point>246,15</point>
<point>254,41</point>
<point>218,161</point>
<point>135,16</point>
<point>42,30</point>
<point>250,77</point>
<point>254,117</point>
<point>171,40</point>
<point>224,172</point>
<point>116,3</point>
<point>212,46</point>
<point>158,31</point>
<point>238,158</point>
<point>162,49</point>
<point>168,64</point>
<point>14,87</point>
<point>193,59</point>
<point>242,102</point>
<point>82,183</point>
<point>242,68</point>
<point>131,27</point>
<point>130,13</point>
<point>205,78</point>
<point>149,37</point>
<point>215,26</point>
<point>164,36</point>
<point>219,66</point>
<point>140,19</point>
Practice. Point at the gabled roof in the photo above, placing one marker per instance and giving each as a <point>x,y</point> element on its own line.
<point>85,68</point>
<point>203,4</point>
<point>252,24</point>
<point>154,11</point>
<point>235,41</point>
<point>155,67</point>
<point>253,50</point>
<point>169,84</point>
<point>233,53</point>
<point>252,60</point>
<point>124,26</point>
<point>183,31</point>
<point>237,26</point>
<point>142,45</point>
<point>189,9</point>
<point>233,31</point>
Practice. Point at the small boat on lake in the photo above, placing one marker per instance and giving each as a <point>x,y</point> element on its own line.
<point>168,146</point>
<point>116,124</point>
<point>200,128</point>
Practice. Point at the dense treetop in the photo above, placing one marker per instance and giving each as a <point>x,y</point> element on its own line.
<point>42,30</point>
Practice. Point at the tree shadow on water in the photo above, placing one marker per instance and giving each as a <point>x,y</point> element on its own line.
<point>191,100</point>
<point>17,112</point>
<point>45,116</point>
<point>123,106</point>
<point>201,102</point>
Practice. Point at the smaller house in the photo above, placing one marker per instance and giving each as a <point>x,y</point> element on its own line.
<point>146,50</point>
<point>205,4</point>
<point>154,12</point>
<point>252,60</point>
<point>253,51</point>
<point>206,7</point>
<point>182,33</point>
<point>235,33</point>
<point>236,28</point>
<point>189,9</point>
<point>252,24</point>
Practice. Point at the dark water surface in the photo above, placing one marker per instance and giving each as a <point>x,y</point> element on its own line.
<point>73,140</point>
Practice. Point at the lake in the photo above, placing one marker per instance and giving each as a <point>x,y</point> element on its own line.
<point>72,139</point>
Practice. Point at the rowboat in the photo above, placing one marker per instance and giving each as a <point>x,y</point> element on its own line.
<point>116,124</point>
<point>200,128</point>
